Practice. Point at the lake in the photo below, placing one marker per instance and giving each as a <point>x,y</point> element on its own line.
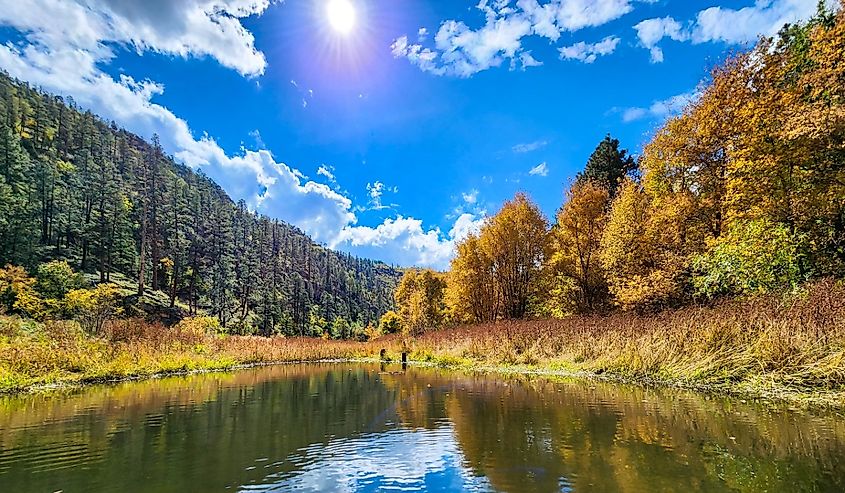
<point>359,427</point>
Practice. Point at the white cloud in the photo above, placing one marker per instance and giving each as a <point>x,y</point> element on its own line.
<point>375,191</point>
<point>405,241</point>
<point>470,197</point>
<point>541,169</point>
<point>662,108</point>
<point>588,53</point>
<point>529,146</point>
<point>196,28</point>
<point>327,171</point>
<point>526,60</point>
<point>66,44</point>
<point>746,24</point>
<point>651,31</point>
<point>462,51</point>
<point>732,26</point>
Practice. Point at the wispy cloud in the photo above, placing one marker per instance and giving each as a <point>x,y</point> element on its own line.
<point>660,109</point>
<point>375,191</point>
<point>529,146</point>
<point>541,169</point>
<point>589,53</point>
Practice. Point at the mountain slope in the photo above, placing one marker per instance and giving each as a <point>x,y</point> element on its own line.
<point>74,187</point>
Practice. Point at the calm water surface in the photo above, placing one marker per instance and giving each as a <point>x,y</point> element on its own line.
<point>365,428</point>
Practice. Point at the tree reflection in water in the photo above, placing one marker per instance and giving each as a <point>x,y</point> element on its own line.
<point>364,428</point>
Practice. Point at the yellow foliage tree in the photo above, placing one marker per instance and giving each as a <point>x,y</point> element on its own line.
<point>496,273</point>
<point>575,242</point>
<point>515,241</point>
<point>390,323</point>
<point>639,253</point>
<point>419,299</point>
<point>472,294</point>
<point>763,143</point>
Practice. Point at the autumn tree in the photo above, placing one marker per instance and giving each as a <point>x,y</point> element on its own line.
<point>390,323</point>
<point>515,242</point>
<point>575,241</point>
<point>420,300</point>
<point>641,264</point>
<point>472,293</point>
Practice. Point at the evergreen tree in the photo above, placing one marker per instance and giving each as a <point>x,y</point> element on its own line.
<point>608,166</point>
<point>75,188</point>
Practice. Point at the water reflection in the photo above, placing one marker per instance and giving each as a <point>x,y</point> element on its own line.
<point>428,460</point>
<point>366,428</point>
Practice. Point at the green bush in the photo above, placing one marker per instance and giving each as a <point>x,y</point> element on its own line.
<point>753,257</point>
<point>55,279</point>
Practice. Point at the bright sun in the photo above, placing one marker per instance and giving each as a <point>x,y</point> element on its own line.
<point>341,15</point>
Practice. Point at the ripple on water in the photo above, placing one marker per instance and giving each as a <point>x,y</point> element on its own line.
<point>49,457</point>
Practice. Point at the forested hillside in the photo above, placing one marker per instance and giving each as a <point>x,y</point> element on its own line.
<point>74,187</point>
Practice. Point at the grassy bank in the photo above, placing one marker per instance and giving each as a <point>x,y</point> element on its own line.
<point>792,346</point>
<point>33,354</point>
<point>778,346</point>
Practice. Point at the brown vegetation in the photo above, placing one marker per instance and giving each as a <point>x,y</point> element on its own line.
<point>765,344</point>
<point>33,353</point>
<point>762,344</point>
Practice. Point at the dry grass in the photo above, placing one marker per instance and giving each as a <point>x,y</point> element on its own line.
<point>765,344</point>
<point>795,342</point>
<point>58,351</point>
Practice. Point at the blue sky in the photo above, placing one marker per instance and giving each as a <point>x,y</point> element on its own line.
<point>394,139</point>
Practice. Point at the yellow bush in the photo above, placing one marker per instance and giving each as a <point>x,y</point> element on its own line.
<point>199,325</point>
<point>18,294</point>
<point>93,307</point>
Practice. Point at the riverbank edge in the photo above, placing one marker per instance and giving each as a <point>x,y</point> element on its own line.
<point>74,382</point>
<point>774,395</point>
<point>800,399</point>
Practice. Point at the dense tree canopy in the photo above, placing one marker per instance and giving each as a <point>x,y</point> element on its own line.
<point>757,160</point>
<point>742,193</point>
<point>494,273</point>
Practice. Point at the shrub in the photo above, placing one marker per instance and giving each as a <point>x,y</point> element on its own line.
<point>56,278</point>
<point>17,293</point>
<point>93,307</point>
<point>390,322</point>
<point>753,257</point>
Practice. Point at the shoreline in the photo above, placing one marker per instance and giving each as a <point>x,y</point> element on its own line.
<point>795,399</point>
<point>805,400</point>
